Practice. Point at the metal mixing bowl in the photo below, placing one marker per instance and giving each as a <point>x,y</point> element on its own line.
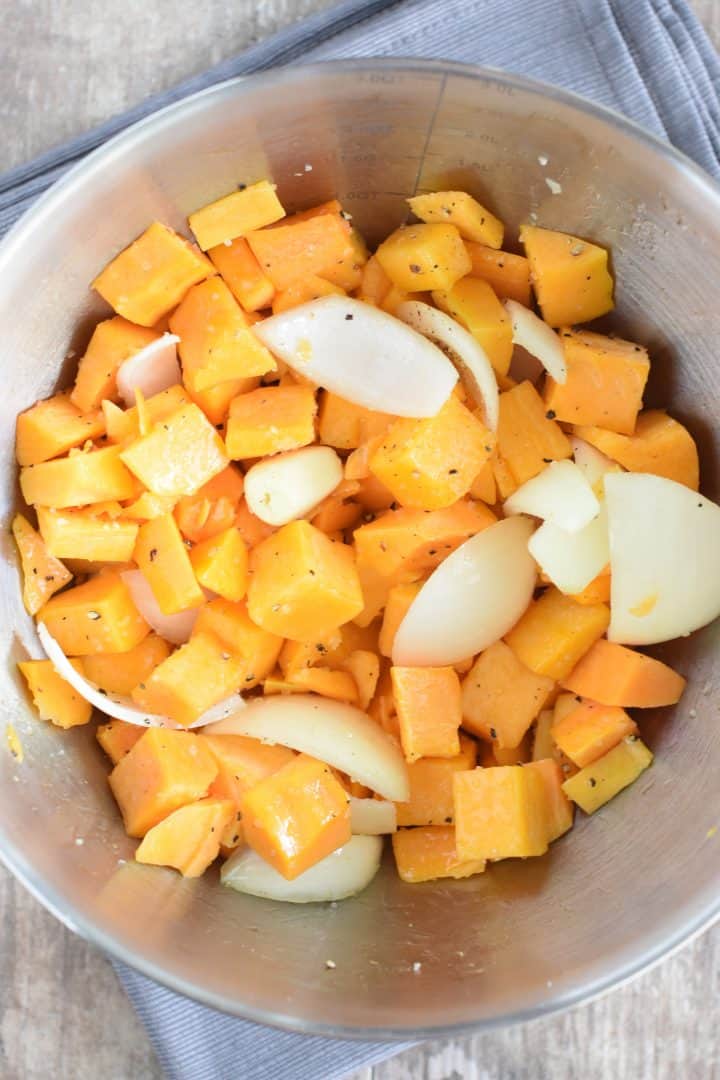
<point>526,938</point>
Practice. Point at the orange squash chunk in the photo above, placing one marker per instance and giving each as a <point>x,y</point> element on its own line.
<point>244,762</point>
<point>559,811</point>
<point>428,704</point>
<point>297,816</point>
<point>243,274</point>
<point>570,276</point>
<point>399,599</point>
<point>256,648</point>
<point>501,697</point>
<point>118,738</point>
<point>460,209</point>
<point>83,534</point>
<point>597,591</point>
<point>118,673</point>
<point>499,813</point>
<point>113,342</point>
<point>96,617</point>
<point>221,564</point>
<point>484,486</point>
<point>52,427</point>
<point>162,556</point>
<point>429,853</point>
<point>590,730</point>
<point>514,755</point>
<point>612,674</point>
<point>302,291</point>
<point>42,574</point>
<point>473,303</point>
<point>417,258</point>
<point>296,655</point>
<point>345,425</point>
<point>123,425</point>
<point>431,791</point>
<point>216,341</point>
<point>606,379</point>
<point>150,277</point>
<point>188,839</point>
<point>429,464</point>
<point>271,419</point>
<point>78,480</point>
<point>555,633</point>
<point>603,779</point>
<point>252,207</point>
<point>528,437</point>
<point>215,401</point>
<point>302,585</point>
<point>374,283</point>
<point>162,772</point>
<point>509,275</point>
<point>294,251</point>
<point>213,507</point>
<point>659,445</point>
<point>55,700</point>
<point>364,666</point>
<point>178,455</point>
<point>338,685</point>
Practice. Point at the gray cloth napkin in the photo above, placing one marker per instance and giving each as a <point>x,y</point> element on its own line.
<point>648,59</point>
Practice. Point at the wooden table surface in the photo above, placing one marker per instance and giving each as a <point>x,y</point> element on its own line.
<point>72,63</point>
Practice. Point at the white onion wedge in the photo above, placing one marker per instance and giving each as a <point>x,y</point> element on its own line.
<point>572,560</point>
<point>174,628</point>
<point>331,731</point>
<point>538,338</point>
<point>464,351</point>
<point>361,353</point>
<point>560,494</point>
<point>150,370</point>
<point>471,600</point>
<point>119,706</point>
<point>288,486</point>
<point>593,464</point>
<point>344,873</point>
<point>664,558</point>
<point>372,817</point>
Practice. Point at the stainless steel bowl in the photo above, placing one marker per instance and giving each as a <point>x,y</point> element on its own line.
<point>526,938</point>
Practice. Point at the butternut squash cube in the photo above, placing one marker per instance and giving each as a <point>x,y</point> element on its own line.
<point>123,425</point>
<point>612,674</point>
<point>473,303</point>
<point>337,685</point>
<point>499,813</point>
<point>457,208</point>
<point>150,277</point>
<point>374,284</point>
<point>216,341</point>
<point>188,839</point>
<point>118,738</point>
<point>570,276</point>
<point>514,755</point>
<point>590,730</point>
<point>256,648</point>
<point>428,704</point>
<point>163,771</point>
<point>659,445</point>
<point>431,791</point>
<point>501,697</point>
<point>419,258</point>
<point>559,811</point>
<point>78,480</point>
<point>96,617</point>
<point>509,275</point>
<point>221,564</point>
<point>484,486</point>
<point>81,534</point>
<point>179,455</point>
<point>252,207</point>
<point>555,633</point>
<point>112,343</point>
<point>215,401</point>
<point>243,274</point>
<point>163,558</point>
<point>528,437</point>
<point>52,427</point>
<point>297,816</point>
<point>429,853</point>
<point>296,655</point>
<point>543,744</point>
<point>118,673</point>
<point>302,291</point>
<point>601,781</point>
<point>345,425</point>
<point>597,591</point>
<point>429,464</point>
<point>42,574</point>
<point>243,762</point>
<point>399,599</point>
<point>364,666</point>
<point>299,249</point>
<point>213,507</point>
<point>55,700</point>
<point>269,420</point>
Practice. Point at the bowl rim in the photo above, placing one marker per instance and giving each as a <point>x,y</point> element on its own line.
<point>690,921</point>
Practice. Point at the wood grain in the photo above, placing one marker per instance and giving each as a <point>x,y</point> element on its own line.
<point>62,1012</point>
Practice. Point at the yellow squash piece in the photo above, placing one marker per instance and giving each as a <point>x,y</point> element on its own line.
<point>269,420</point>
<point>55,700</point>
<point>659,445</point>
<point>599,782</point>
<point>96,617</point>
<point>43,575</point>
<point>474,304</point>
<point>555,632</point>
<point>428,705</point>
<point>429,853</point>
<point>82,534</point>
<point>417,258</point>
<point>52,427</point>
<point>162,556</point>
<point>570,276</point>
<point>119,673</point>
<point>528,436</point>
<point>559,811</point>
<point>188,839</point>
<point>256,648</point>
<point>118,738</point>
<point>500,813</point>
<point>220,564</point>
<point>123,425</point>
<point>509,275</point>
<point>79,479</point>
<point>501,696</point>
<point>347,426</point>
<point>399,599</point>
<point>252,207</point>
<point>179,455</point>
<point>243,274</point>
<point>457,208</point>
<point>112,343</point>
<point>431,786</point>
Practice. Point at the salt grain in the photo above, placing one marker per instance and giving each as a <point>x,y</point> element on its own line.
<point>555,188</point>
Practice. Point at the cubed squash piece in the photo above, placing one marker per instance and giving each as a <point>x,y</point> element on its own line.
<point>501,696</point>
<point>178,455</point>
<point>302,585</point>
<point>417,258</point>
<point>123,425</point>
<point>428,704</point>
<point>399,600</point>
<point>337,685</point>
<point>599,782</point>
<point>605,382</point>
<point>112,343</point>
<point>659,445</point>
<point>299,249</point>
<point>570,276</point>
<point>345,425</point>
<point>374,284</point>
<point>429,464</point>
<point>555,632</point>
<point>191,680</point>
<point>215,401</point>
<point>543,744</point>
<point>212,508</point>
<point>431,789</point>
<point>296,655</point>
<point>252,207</point>
<point>216,341</point>
<point>615,675</point>
<point>82,534</point>
<point>528,436</point>
<point>243,274</point>
<point>364,666</point>
<point>509,275</point>
<point>188,839</point>
<point>457,208</point>
<point>513,755</point>
<point>559,811</point>
<point>473,303</point>
<point>118,673</point>
<point>221,564</point>
<point>117,738</point>
<point>78,480</point>
<point>269,420</point>
<point>302,291</point>
<point>256,648</point>
<point>597,591</point>
<point>148,506</point>
<point>98,616</point>
<point>163,558</point>
<point>429,853</point>
<point>590,730</point>
<point>163,771</point>
<point>52,427</point>
<point>297,816</point>
<point>55,700</point>
<point>150,277</point>
<point>484,486</point>
<point>43,575</point>
<point>499,813</point>
<point>244,762</point>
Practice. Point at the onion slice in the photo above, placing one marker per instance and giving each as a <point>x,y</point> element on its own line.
<point>593,464</point>
<point>150,370</point>
<point>288,486</point>
<point>471,600</point>
<point>664,558</point>
<point>361,353</point>
<point>174,628</point>
<point>560,494</point>
<point>344,873</point>
<point>463,350</point>
<point>538,338</point>
<point>572,560</point>
<point>331,731</point>
<point>372,817</point>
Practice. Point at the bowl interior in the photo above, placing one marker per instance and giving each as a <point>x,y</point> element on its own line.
<point>525,937</point>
